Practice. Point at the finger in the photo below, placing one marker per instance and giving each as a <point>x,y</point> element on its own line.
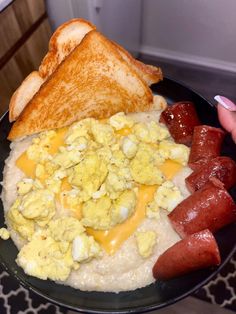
<point>225,102</point>
<point>227,115</point>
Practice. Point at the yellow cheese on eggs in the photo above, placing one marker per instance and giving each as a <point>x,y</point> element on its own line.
<point>62,198</point>
<point>28,166</point>
<point>58,140</point>
<point>124,131</point>
<point>112,239</point>
<point>170,168</point>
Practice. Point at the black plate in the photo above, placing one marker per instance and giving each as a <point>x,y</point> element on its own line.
<point>146,299</point>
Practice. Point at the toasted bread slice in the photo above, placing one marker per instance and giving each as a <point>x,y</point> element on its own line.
<point>62,42</point>
<point>69,35</point>
<point>149,73</point>
<point>24,94</point>
<point>93,81</point>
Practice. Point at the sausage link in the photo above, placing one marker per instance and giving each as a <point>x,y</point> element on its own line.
<point>194,252</point>
<point>180,119</point>
<point>206,144</point>
<point>222,168</point>
<point>211,208</point>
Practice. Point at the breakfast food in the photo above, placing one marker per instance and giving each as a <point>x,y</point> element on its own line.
<point>87,200</point>
<point>94,182</point>
<point>222,168</point>
<point>181,118</point>
<point>65,39</point>
<point>196,251</point>
<point>92,200</point>
<point>211,208</point>
<point>206,144</point>
<point>73,92</point>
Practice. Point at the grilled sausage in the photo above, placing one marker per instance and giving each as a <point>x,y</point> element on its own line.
<point>211,208</point>
<point>206,144</point>
<point>194,252</point>
<point>222,168</point>
<point>180,119</point>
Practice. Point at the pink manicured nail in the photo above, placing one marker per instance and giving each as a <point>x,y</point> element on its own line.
<point>225,102</point>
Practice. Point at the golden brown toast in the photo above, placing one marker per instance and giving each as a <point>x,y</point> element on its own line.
<point>62,42</point>
<point>24,94</point>
<point>149,73</point>
<point>92,81</point>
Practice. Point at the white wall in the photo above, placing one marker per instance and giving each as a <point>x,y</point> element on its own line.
<point>196,31</point>
<point>119,20</point>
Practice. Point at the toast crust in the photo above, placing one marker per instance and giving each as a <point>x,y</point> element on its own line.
<point>66,38</point>
<point>93,81</point>
<point>63,41</point>
<point>24,94</point>
<point>149,73</point>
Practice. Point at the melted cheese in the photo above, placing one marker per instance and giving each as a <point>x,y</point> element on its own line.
<point>124,131</point>
<point>112,239</point>
<point>62,198</point>
<point>28,166</point>
<point>170,168</point>
<point>58,140</point>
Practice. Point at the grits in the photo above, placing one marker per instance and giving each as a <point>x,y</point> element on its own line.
<point>126,269</point>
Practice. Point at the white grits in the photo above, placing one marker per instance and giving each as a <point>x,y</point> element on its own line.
<point>125,270</point>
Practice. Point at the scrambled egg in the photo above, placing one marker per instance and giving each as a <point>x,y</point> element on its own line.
<point>19,223</point>
<point>173,151</point>
<point>120,121</point>
<point>123,207</point>
<point>39,150</point>
<point>88,175</point>
<point>150,132</point>
<point>146,241</point>
<point>103,213</point>
<point>38,205</point>
<point>118,180</point>
<point>167,196</point>
<point>53,253</point>
<point>84,248</point>
<point>24,186</point>
<point>65,229</point>
<point>101,192</point>
<point>4,234</point>
<point>102,133</point>
<point>130,146</point>
<point>68,157</point>
<point>43,258</point>
<point>97,167</point>
<point>144,166</point>
<point>118,158</point>
<point>77,131</point>
<point>96,213</point>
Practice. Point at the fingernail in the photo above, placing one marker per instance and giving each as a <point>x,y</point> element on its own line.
<point>225,102</point>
